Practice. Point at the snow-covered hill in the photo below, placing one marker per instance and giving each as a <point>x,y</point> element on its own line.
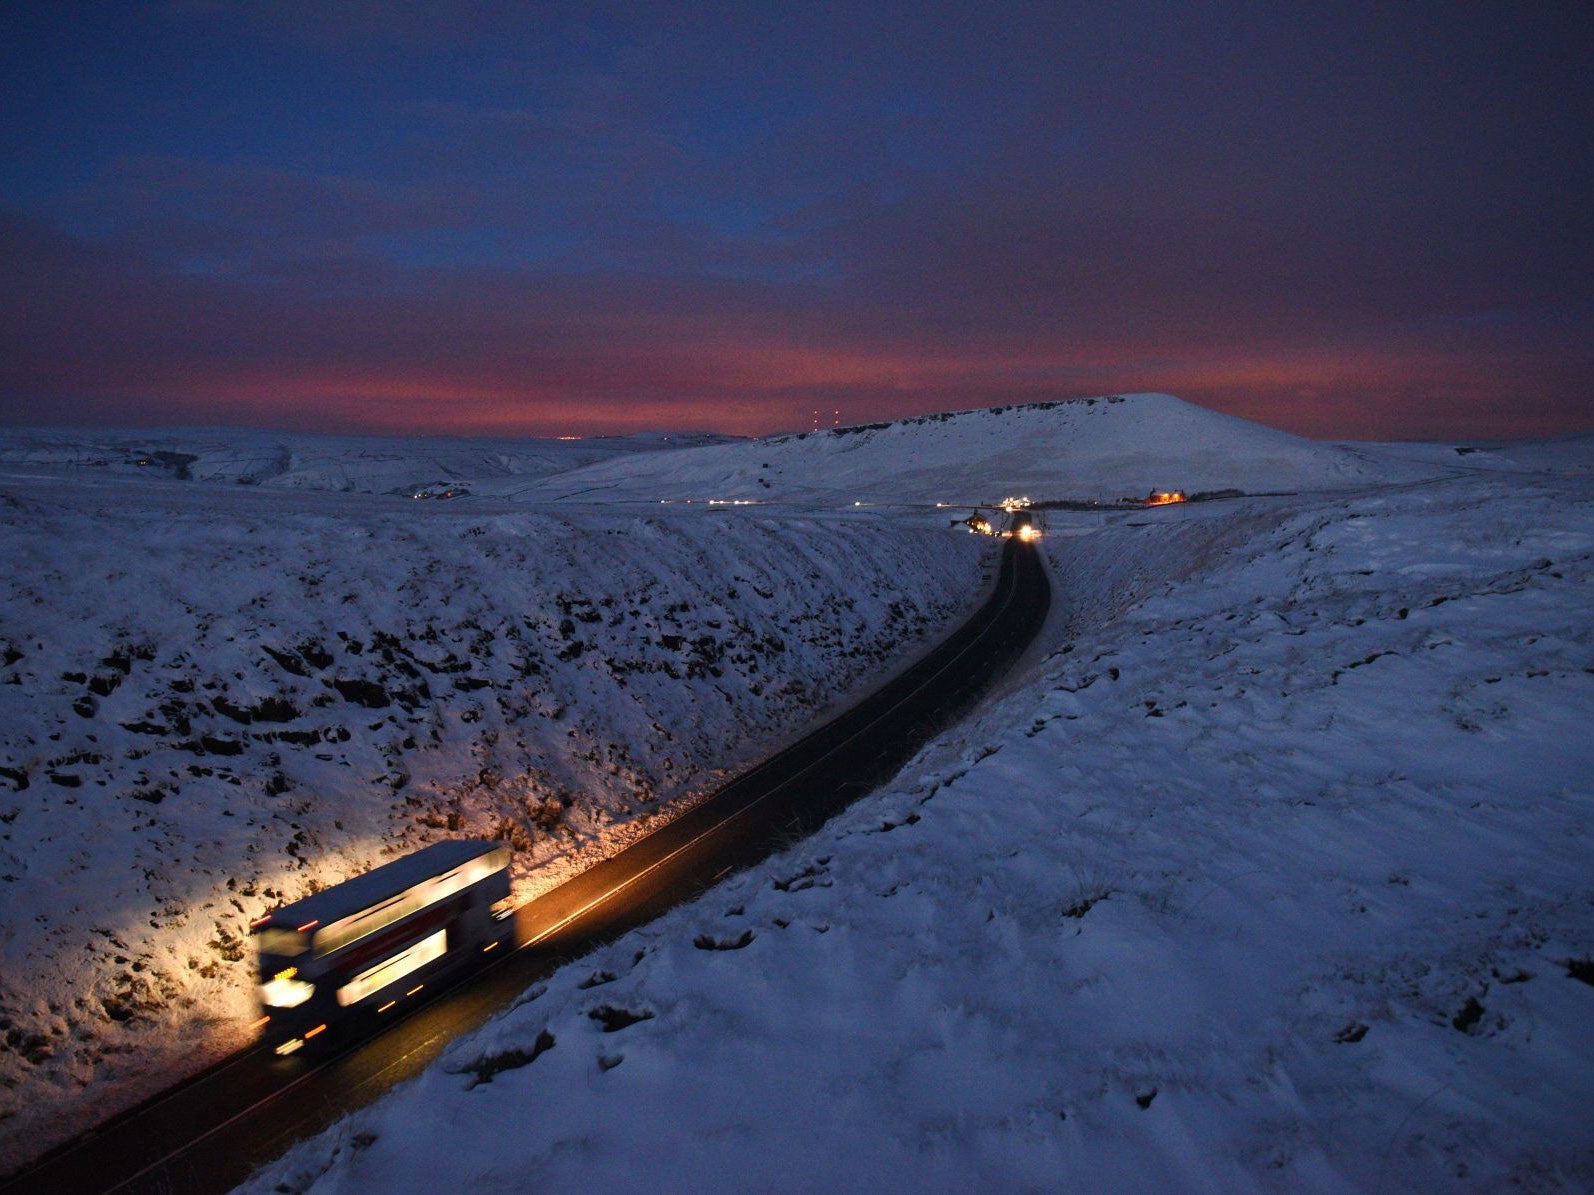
<point>212,700</point>
<point>1100,449</point>
<point>1089,448</point>
<point>1275,876</point>
<point>1564,455</point>
<point>364,464</point>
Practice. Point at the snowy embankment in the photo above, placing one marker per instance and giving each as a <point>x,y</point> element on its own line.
<point>214,700</point>
<point>1276,878</point>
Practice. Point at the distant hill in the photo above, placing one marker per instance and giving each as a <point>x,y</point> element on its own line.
<point>1568,455</point>
<point>363,464</point>
<point>1088,448</point>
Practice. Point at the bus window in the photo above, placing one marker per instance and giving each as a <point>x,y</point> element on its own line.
<point>391,970</point>
<point>428,892</point>
<point>363,924</point>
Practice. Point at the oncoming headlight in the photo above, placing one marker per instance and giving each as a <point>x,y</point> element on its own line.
<point>284,991</point>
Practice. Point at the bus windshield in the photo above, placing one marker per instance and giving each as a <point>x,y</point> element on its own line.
<point>283,943</point>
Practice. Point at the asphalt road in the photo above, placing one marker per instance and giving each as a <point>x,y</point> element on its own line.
<point>213,1131</point>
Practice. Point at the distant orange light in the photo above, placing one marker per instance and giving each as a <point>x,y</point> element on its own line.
<point>1165,497</point>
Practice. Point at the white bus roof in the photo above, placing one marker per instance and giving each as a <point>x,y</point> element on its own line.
<point>375,886</point>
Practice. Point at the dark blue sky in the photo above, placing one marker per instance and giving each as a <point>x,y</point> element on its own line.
<point>1361,220</point>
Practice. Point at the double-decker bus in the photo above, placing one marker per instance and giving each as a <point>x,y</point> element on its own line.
<point>362,946</point>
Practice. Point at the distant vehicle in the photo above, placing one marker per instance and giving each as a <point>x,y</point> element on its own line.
<point>356,949</point>
<point>977,524</point>
<point>1022,526</point>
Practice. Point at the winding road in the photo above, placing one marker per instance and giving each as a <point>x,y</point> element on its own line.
<point>211,1132</point>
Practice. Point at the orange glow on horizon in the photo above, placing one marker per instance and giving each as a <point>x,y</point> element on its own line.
<point>765,389</point>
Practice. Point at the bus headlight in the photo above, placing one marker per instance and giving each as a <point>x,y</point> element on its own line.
<point>284,991</point>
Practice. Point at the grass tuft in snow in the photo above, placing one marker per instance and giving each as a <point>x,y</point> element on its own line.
<point>614,1019</point>
<point>710,942</point>
<point>485,1067</point>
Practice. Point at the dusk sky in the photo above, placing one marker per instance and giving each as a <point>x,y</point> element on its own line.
<point>1351,221</point>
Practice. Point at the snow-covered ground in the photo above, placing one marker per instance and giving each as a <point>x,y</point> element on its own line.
<point>1268,870</point>
<point>1272,875</point>
<point>278,460</point>
<point>214,698</point>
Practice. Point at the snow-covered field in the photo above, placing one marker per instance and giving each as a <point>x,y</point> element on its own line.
<point>1272,875</point>
<point>1268,870</point>
<point>278,460</point>
<point>215,698</point>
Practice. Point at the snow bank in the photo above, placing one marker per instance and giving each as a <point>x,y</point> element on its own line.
<point>213,700</point>
<point>1275,878</point>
